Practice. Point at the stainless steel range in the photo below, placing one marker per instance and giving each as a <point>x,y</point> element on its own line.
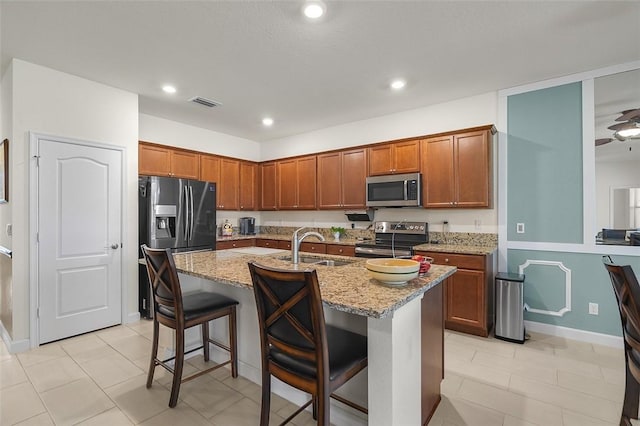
<point>394,239</point>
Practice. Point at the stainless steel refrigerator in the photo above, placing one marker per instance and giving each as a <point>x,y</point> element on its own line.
<point>179,214</point>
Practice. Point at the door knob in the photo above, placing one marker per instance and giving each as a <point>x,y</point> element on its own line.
<point>114,246</point>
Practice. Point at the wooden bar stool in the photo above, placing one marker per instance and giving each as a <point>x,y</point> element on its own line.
<point>296,345</point>
<point>627,291</point>
<point>180,312</point>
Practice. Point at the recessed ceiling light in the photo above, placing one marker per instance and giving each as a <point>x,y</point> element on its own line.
<point>314,9</point>
<point>168,88</point>
<point>398,84</point>
<point>267,121</point>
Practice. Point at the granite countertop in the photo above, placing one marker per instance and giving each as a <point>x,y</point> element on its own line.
<point>442,248</point>
<point>456,248</point>
<point>346,288</point>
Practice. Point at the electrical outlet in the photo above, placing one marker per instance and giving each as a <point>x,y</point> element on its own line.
<point>593,308</point>
<point>9,229</point>
<point>477,223</point>
<point>520,228</point>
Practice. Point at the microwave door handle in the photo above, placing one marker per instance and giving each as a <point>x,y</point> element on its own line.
<point>406,189</point>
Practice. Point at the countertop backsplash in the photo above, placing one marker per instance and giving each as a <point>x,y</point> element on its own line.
<point>449,238</point>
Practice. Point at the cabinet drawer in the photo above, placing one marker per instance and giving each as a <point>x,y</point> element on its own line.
<point>313,247</point>
<point>261,242</point>
<point>341,250</point>
<point>224,245</point>
<point>465,261</point>
<point>284,244</point>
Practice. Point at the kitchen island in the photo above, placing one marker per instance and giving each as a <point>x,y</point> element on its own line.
<point>403,324</point>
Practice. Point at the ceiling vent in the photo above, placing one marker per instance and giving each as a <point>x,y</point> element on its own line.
<point>204,101</point>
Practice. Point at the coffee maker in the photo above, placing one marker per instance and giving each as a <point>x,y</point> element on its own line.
<point>247,225</point>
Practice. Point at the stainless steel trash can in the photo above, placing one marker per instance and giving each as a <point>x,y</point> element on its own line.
<point>510,307</point>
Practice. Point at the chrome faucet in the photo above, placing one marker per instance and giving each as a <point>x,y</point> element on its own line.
<point>295,243</point>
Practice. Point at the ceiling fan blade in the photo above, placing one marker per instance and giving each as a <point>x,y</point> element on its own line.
<point>623,126</point>
<point>630,114</point>
<point>603,141</point>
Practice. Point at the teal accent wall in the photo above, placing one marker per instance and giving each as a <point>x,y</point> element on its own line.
<point>544,288</point>
<point>544,169</point>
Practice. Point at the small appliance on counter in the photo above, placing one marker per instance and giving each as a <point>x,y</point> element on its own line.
<point>247,225</point>
<point>226,229</point>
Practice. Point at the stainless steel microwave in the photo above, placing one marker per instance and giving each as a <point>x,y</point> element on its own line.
<point>394,190</point>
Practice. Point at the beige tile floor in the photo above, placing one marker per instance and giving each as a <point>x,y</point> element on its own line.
<point>99,379</point>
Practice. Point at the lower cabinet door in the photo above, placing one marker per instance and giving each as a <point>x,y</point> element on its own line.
<point>465,309</point>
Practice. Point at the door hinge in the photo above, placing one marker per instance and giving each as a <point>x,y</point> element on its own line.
<point>37,237</point>
<point>37,157</point>
<point>37,312</point>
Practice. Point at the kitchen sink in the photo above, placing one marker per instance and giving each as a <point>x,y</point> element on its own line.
<point>318,261</point>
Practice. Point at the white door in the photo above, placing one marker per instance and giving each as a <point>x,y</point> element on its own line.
<point>79,238</point>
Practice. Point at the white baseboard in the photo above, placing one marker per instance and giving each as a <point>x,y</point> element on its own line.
<point>132,317</point>
<point>575,334</point>
<point>14,346</point>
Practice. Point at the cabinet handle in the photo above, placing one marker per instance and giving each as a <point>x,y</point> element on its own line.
<point>446,260</point>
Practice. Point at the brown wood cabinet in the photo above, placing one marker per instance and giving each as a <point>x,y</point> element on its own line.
<point>313,247</point>
<point>268,186</point>
<point>456,170</point>
<point>394,158</point>
<point>341,250</point>
<point>229,244</point>
<point>296,183</point>
<point>341,179</point>
<point>156,160</point>
<point>469,292</point>
<point>248,188</point>
<point>225,172</point>
<point>277,244</point>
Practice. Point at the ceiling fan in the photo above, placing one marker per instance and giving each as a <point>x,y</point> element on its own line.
<point>628,128</point>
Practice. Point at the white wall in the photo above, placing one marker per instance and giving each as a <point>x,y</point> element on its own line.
<point>54,103</point>
<point>172,133</point>
<point>468,112</point>
<point>612,174</point>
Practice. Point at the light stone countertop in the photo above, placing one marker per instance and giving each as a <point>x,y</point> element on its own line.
<point>346,288</point>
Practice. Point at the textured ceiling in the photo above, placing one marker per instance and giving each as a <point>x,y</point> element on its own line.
<point>262,58</point>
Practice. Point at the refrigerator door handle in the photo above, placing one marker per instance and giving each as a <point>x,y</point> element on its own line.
<point>186,214</point>
<point>191,212</point>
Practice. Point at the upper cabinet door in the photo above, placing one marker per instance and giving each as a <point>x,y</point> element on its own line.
<point>248,185</point>
<point>354,176</point>
<point>330,181</point>
<point>438,185</point>
<point>306,191</point>
<point>287,184</point>
<point>185,165</point>
<point>229,188</point>
<point>165,161</point>
<point>268,186</point>
<point>210,168</point>
<point>394,158</point>
<point>154,160</point>
<point>473,166</point>
<point>406,157</point>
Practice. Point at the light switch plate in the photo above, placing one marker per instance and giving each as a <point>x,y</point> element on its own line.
<point>520,228</point>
